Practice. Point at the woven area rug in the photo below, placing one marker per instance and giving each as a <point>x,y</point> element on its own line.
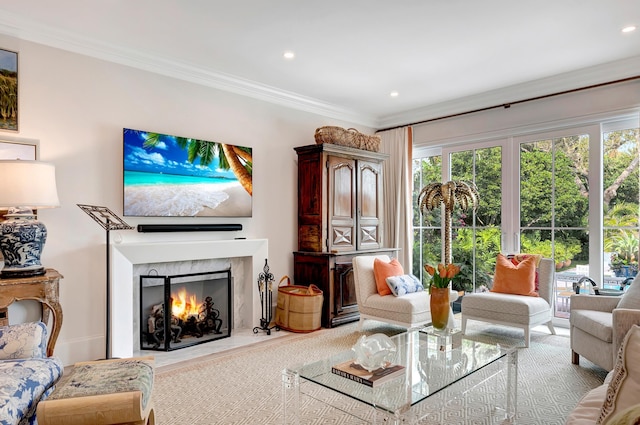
<point>243,386</point>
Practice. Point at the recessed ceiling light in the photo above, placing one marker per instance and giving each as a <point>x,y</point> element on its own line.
<point>289,54</point>
<point>394,94</point>
<point>630,28</point>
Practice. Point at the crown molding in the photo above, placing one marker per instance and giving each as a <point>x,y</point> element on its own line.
<point>16,26</point>
<point>585,77</point>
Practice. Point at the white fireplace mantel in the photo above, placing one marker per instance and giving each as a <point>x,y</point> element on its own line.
<point>126,255</point>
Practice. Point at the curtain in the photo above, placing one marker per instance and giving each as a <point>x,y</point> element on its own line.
<point>397,186</point>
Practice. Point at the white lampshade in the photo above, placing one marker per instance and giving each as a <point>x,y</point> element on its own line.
<point>30,184</point>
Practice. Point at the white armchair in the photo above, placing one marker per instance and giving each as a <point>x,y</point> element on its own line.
<point>410,310</point>
<point>519,311</point>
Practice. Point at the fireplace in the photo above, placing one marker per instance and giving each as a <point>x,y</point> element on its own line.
<point>178,311</point>
<point>246,256</point>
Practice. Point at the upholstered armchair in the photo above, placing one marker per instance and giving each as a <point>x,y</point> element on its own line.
<point>520,311</point>
<point>409,310</point>
<point>27,375</point>
<point>598,324</point>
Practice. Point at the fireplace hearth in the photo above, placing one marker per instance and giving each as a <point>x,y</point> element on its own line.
<point>183,310</point>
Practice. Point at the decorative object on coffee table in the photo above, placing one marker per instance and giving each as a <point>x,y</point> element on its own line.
<point>108,220</point>
<point>448,195</point>
<point>26,185</point>
<point>439,291</point>
<point>439,307</point>
<point>373,352</point>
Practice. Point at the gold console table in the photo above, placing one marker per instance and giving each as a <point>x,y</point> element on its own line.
<point>44,289</point>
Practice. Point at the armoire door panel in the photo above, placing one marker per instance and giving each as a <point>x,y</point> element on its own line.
<point>369,200</point>
<point>342,237</point>
<point>342,186</point>
<point>311,207</point>
<point>345,300</point>
<point>342,202</point>
<point>368,235</point>
<point>369,188</point>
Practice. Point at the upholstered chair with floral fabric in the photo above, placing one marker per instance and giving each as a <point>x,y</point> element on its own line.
<point>27,375</point>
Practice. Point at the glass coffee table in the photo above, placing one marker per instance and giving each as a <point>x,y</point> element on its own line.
<point>448,379</point>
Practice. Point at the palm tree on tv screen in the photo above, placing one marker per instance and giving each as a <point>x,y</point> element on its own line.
<point>238,159</point>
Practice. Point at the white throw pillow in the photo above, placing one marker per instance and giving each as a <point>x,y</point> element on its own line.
<point>624,387</point>
<point>404,284</point>
<point>631,297</point>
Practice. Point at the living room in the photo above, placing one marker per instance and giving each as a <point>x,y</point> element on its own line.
<point>75,99</point>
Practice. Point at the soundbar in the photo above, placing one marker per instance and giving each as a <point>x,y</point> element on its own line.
<point>149,228</point>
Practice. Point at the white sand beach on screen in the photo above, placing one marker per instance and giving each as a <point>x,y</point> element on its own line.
<point>187,200</point>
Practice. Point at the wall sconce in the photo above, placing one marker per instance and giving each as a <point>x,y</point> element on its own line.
<point>25,186</point>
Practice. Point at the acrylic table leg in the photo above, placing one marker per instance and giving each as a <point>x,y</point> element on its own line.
<point>290,397</point>
<point>512,385</point>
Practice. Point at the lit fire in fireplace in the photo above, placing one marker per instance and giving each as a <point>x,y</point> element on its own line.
<point>185,313</point>
<point>184,305</point>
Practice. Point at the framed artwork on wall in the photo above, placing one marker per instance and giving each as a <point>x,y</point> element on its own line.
<point>8,90</point>
<point>18,149</point>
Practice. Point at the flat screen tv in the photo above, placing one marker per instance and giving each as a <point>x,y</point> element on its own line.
<point>173,176</point>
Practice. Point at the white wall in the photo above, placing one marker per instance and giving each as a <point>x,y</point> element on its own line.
<point>76,107</point>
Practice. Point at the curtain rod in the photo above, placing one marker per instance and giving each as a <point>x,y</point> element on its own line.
<point>508,104</point>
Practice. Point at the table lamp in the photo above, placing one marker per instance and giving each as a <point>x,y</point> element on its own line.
<point>24,186</point>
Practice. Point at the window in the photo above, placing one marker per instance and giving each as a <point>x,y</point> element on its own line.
<point>476,235</point>
<point>621,205</point>
<point>554,206</point>
<point>572,194</point>
<point>427,241</point>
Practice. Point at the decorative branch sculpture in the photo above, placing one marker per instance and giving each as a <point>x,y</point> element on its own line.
<point>448,194</point>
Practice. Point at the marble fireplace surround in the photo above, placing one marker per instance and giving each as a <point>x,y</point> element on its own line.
<point>124,283</point>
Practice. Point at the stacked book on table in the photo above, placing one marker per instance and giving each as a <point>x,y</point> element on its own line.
<point>351,370</point>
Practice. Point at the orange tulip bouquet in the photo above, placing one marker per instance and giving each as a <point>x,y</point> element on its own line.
<point>441,277</point>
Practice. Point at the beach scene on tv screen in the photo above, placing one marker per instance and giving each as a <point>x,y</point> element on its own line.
<point>173,176</point>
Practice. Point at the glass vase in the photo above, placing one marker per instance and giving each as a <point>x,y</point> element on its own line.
<point>439,303</point>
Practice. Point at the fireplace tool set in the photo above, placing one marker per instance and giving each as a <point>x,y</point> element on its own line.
<point>265,288</point>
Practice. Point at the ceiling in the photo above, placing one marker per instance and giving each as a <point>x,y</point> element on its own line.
<point>441,56</point>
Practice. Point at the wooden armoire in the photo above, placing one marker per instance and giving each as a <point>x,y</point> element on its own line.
<point>340,216</point>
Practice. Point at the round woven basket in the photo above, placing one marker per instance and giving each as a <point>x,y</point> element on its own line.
<point>347,137</point>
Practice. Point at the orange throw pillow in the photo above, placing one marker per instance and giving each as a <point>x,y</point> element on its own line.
<point>515,279</point>
<point>382,271</point>
<point>517,258</point>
